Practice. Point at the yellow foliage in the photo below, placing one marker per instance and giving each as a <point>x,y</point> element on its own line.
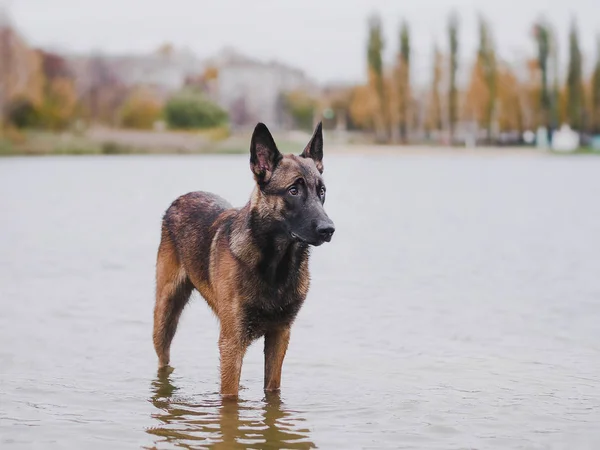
<point>165,49</point>
<point>211,73</point>
<point>477,96</point>
<point>510,113</point>
<point>364,106</point>
<point>141,110</point>
<point>434,119</point>
<point>23,78</point>
<point>59,104</point>
<point>403,94</point>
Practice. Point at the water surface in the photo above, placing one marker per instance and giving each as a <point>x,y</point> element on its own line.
<point>458,306</point>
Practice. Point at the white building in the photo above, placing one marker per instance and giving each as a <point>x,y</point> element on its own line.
<point>251,91</point>
<point>165,70</point>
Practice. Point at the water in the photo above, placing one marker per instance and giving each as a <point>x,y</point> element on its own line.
<point>458,306</point>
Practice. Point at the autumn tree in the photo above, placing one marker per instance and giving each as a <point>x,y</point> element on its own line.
<point>141,110</point>
<point>301,108</point>
<point>555,116</point>
<point>5,64</point>
<point>486,57</point>
<point>480,103</point>
<point>434,115</point>
<point>20,72</point>
<point>595,93</point>
<point>60,98</point>
<point>453,26</point>
<point>510,114</point>
<point>575,103</point>
<point>376,78</point>
<point>541,32</point>
<point>404,92</point>
<point>364,106</point>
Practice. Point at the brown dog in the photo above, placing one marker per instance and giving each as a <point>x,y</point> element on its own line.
<point>250,264</point>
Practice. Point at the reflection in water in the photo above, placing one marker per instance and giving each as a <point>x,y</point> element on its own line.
<point>217,423</point>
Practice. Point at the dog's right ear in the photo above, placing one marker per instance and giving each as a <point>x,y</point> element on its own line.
<point>264,155</point>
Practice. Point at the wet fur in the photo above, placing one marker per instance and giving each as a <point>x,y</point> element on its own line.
<point>242,261</point>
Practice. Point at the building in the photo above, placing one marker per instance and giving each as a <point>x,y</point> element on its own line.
<point>166,69</point>
<point>252,91</point>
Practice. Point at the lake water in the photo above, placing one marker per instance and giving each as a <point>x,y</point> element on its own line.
<point>457,307</point>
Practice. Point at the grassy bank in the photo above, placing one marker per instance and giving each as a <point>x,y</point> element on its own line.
<point>113,142</point>
<point>103,141</point>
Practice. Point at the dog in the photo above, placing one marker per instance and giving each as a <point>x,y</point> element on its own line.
<point>250,264</point>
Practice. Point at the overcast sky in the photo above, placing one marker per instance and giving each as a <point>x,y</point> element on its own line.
<point>325,38</point>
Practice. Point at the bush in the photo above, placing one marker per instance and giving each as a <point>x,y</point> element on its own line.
<point>141,110</point>
<point>22,113</point>
<point>189,109</point>
<point>301,108</point>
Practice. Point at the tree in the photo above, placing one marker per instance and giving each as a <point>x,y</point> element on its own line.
<point>595,91</point>
<point>509,101</point>
<point>404,93</point>
<point>363,106</point>
<point>486,57</point>
<point>59,96</point>
<point>574,81</point>
<point>434,121</point>
<point>453,27</point>
<point>555,97</point>
<point>375,63</point>
<point>481,98</point>
<point>141,110</point>
<point>301,107</point>
<point>189,109</point>
<point>5,65</point>
<point>20,70</point>
<point>477,96</point>
<point>541,32</point>
<point>22,113</point>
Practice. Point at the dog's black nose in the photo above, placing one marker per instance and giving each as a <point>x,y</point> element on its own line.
<point>326,230</point>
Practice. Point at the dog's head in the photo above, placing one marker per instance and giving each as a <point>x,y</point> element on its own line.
<point>290,189</point>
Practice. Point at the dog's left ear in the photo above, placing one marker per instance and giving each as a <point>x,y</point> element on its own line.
<point>314,148</point>
<point>264,154</point>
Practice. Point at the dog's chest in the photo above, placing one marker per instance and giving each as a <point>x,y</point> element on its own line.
<point>267,313</point>
<point>273,293</point>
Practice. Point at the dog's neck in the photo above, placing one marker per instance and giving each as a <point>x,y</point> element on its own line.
<point>263,245</point>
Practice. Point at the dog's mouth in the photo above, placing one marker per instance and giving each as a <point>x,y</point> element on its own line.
<point>300,239</point>
<point>295,237</point>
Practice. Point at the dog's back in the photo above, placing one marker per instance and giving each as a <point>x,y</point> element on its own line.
<point>189,225</point>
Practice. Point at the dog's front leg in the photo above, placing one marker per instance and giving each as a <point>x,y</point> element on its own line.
<point>276,344</point>
<point>232,349</point>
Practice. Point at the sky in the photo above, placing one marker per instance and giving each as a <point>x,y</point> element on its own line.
<point>327,38</point>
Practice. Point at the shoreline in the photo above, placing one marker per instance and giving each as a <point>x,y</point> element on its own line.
<point>129,142</point>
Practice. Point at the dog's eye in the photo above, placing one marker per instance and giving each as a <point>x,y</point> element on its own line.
<point>322,192</point>
<point>293,190</point>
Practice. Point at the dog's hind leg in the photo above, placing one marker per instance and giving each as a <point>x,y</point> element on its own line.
<point>173,290</point>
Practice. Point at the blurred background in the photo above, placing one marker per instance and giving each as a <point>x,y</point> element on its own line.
<point>118,77</point>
